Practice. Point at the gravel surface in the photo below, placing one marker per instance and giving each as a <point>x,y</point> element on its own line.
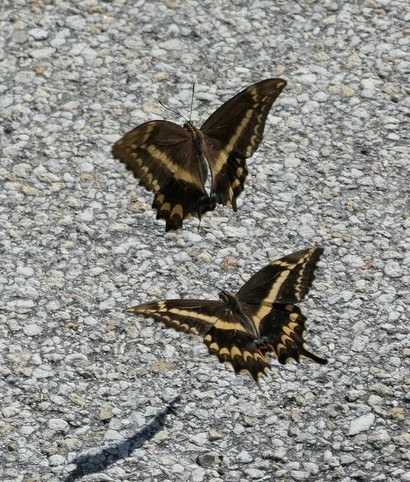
<point>87,392</point>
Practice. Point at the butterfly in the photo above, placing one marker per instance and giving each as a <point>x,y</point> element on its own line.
<point>260,319</point>
<point>173,161</point>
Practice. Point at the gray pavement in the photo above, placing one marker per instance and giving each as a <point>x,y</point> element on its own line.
<point>87,392</point>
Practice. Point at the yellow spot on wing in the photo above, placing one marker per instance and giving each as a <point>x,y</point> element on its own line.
<point>229,325</point>
<point>200,316</point>
<point>178,171</point>
<point>177,211</point>
<point>166,207</point>
<point>287,330</point>
<point>258,356</point>
<point>294,317</point>
<point>224,351</point>
<point>235,351</point>
<point>220,161</point>
<point>285,338</point>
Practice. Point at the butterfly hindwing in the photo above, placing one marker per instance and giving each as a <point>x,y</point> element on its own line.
<point>237,348</point>
<point>179,199</point>
<point>282,335</point>
<point>173,161</point>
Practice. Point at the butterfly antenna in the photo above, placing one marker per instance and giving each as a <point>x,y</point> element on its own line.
<point>172,110</point>
<point>192,100</point>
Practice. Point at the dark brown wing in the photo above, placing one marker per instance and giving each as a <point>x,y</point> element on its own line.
<point>267,300</point>
<point>232,345</point>
<point>161,155</point>
<point>189,316</point>
<point>233,133</point>
<point>224,336</point>
<point>286,280</point>
<point>282,335</point>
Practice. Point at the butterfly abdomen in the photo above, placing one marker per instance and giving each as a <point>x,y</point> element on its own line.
<point>230,301</point>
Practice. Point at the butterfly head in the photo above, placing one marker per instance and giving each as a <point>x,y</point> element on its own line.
<point>190,126</point>
<point>229,300</point>
<point>234,306</point>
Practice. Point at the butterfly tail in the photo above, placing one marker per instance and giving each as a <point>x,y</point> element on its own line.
<point>307,354</point>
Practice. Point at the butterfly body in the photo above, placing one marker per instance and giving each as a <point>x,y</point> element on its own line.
<point>174,161</point>
<point>260,319</point>
<point>236,310</point>
<point>198,146</point>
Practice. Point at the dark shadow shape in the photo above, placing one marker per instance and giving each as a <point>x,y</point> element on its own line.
<point>93,463</point>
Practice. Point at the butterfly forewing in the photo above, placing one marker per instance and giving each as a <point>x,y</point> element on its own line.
<point>237,126</point>
<point>160,154</point>
<point>150,149</point>
<point>191,316</point>
<point>286,280</point>
<point>172,161</point>
<point>224,336</point>
<point>233,133</point>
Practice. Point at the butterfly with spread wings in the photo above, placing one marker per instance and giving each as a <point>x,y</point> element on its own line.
<point>260,319</point>
<point>173,161</point>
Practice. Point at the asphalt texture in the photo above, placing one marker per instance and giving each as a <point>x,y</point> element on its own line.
<point>90,393</point>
